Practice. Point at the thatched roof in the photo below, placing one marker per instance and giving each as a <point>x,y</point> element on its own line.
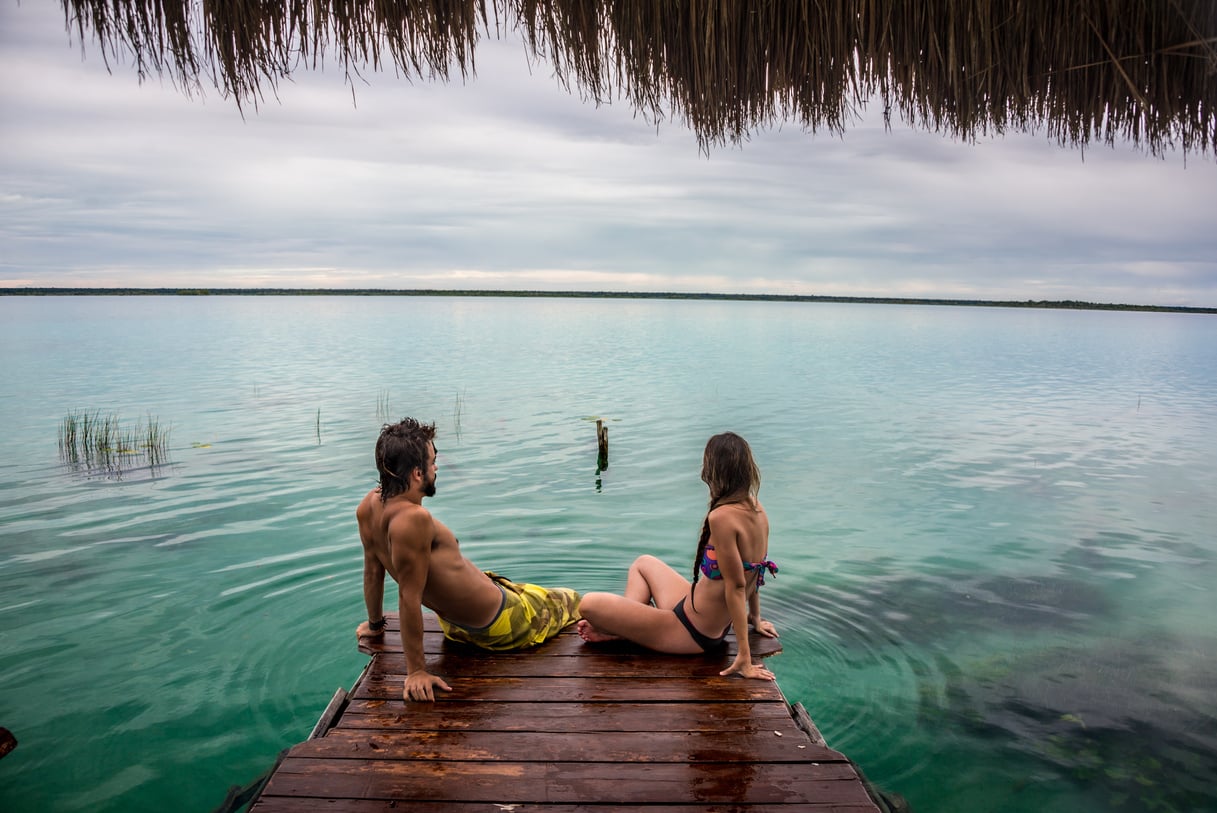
<point>1085,71</point>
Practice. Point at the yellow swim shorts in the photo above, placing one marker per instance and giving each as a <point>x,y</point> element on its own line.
<point>530,615</point>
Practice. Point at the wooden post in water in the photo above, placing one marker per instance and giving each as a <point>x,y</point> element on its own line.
<point>602,446</point>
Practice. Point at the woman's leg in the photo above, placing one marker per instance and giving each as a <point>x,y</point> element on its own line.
<point>607,616</point>
<point>652,580</point>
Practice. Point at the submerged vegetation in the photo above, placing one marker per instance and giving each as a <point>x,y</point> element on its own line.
<point>100,443</point>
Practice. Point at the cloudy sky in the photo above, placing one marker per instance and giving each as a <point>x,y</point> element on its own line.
<point>509,182</point>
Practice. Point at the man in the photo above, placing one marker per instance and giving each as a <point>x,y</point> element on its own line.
<point>401,538</point>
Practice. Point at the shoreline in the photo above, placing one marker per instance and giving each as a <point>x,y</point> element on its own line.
<point>1067,304</point>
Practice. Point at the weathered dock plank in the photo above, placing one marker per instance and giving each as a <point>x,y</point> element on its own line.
<point>289,805</point>
<point>457,715</point>
<point>568,782</point>
<point>387,685</point>
<point>549,746</point>
<point>563,727</point>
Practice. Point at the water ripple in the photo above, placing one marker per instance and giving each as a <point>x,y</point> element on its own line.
<point>994,527</point>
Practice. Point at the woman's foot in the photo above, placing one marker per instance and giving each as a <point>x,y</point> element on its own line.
<point>592,635</point>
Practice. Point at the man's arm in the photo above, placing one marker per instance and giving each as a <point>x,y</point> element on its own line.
<point>373,594</point>
<point>410,539</point>
<point>373,574</point>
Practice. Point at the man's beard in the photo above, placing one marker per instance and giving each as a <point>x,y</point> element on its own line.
<point>429,488</point>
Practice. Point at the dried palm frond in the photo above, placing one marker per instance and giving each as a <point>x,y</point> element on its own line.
<point>1144,71</point>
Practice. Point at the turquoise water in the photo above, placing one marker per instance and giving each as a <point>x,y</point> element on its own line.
<point>995,526</point>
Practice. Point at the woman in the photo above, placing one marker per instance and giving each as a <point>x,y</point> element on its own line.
<point>663,610</point>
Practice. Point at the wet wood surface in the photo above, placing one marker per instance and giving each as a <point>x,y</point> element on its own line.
<point>561,727</point>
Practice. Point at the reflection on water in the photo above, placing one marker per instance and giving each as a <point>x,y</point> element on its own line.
<point>993,526</point>
<point>1015,666</point>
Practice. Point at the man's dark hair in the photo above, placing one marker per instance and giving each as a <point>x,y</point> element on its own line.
<point>400,449</point>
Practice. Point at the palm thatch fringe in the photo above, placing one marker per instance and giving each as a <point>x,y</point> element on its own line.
<point>1144,71</point>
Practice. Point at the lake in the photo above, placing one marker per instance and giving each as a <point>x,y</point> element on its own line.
<point>995,526</point>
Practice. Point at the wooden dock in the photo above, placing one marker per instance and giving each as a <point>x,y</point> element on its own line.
<point>561,727</point>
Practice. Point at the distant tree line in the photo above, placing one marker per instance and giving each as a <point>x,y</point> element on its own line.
<point>1066,304</point>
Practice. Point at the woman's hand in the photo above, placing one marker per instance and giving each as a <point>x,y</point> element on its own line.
<point>765,628</point>
<point>748,669</point>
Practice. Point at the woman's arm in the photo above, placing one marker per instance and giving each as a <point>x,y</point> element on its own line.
<point>762,626</point>
<point>724,535</point>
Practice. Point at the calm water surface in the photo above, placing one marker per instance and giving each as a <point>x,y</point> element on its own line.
<point>995,526</point>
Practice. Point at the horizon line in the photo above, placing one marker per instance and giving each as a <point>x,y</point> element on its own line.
<point>1062,304</point>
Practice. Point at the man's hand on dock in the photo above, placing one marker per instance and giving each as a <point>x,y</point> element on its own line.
<point>364,630</point>
<point>421,685</point>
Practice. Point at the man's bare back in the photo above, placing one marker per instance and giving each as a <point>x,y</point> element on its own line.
<point>454,588</point>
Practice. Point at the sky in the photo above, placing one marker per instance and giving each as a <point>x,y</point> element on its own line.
<point>508,181</point>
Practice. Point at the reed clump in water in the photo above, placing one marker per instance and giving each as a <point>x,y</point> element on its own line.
<point>99,442</point>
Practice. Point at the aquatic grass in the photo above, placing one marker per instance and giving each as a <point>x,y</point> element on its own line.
<point>155,441</point>
<point>99,442</point>
<point>458,409</point>
<point>383,406</point>
<point>69,430</point>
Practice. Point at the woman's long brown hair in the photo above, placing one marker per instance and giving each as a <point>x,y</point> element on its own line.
<point>733,477</point>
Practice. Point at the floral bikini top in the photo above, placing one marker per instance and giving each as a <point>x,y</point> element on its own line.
<point>709,567</point>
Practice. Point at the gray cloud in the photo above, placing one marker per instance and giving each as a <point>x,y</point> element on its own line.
<point>508,181</point>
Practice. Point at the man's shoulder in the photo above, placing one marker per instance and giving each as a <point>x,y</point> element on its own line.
<point>370,502</point>
<point>409,527</point>
<point>373,510</point>
<point>405,515</point>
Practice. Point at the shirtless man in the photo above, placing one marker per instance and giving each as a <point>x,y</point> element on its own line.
<point>401,538</point>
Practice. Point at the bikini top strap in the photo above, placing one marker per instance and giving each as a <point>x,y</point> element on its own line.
<point>760,568</point>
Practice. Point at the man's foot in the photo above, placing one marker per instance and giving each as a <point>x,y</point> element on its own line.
<point>592,635</point>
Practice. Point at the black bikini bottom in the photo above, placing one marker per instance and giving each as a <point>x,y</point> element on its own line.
<point>704,641</point>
